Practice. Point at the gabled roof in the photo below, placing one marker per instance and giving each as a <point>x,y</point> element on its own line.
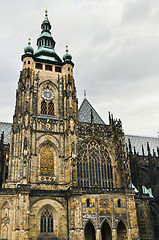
<point>138,141</point>
<point>6,128</point>
<point>84,113</point>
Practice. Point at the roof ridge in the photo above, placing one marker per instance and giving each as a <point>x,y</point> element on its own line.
<point>6,122</point>
<point>133,135</point>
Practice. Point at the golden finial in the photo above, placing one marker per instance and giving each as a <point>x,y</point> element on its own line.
<point>66,46</point>
<point>46,10</point>
<point>29,39</point>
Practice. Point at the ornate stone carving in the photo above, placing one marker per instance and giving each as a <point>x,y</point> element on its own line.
<point>87,129</point>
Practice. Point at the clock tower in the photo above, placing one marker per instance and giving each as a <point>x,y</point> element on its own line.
<point>42,137</point>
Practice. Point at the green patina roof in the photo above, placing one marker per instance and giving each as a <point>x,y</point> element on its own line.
<point>29,49</point>
<point>45,34</point>
<point>44,49</point>
<point>46,43</point>
<point>48,58</point>
<point>67,56</point>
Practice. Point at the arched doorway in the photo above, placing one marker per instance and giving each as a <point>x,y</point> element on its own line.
<point>89,232</point>
<point>106,231</point>
<point>122,231</point>
<point>51,220</point>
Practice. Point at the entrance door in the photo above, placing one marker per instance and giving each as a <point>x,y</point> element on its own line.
<point>89,232</point>
<point>106,231</point>
<point>121,231</point>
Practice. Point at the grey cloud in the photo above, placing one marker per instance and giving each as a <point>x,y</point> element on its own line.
<point>135,11</point>
<point>115,49</point>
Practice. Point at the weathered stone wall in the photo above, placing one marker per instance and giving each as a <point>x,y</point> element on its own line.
<point>103,207</point>
<point>144,218</point>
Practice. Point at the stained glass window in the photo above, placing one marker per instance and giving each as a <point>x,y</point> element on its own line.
<point>46,223</point>
<point>94,165</point>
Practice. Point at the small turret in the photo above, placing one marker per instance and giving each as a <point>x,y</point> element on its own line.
<point>29,49</point>
<point>67,57</point>
<point>27,57</point>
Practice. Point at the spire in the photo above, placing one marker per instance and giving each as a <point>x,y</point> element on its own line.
<point>130,147</point>
<point>134,151</point>
<point>110,122</point>
<point>143,153</point>
<point>148,148</point>
<point>46,44</point>
<point>45,39</point>
<point>46,26</point>
<point>158,151</point>
<point>85,94</point>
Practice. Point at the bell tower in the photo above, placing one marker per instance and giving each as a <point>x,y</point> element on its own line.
<point>42,136</point>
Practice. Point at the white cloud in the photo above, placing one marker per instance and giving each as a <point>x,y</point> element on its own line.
<point>115,48</point>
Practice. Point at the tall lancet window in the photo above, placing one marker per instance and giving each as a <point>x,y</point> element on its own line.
<point>46,224</point>
<point>51,108</point>
<point>47,160</point>
<point>43,107</point>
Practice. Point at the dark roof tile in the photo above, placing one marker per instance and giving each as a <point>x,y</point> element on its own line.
<point>6,128</point>
<point>138,141</point>
<point>84,113</point>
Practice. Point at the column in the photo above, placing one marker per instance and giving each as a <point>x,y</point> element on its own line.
<point>114,234</point>
<point>98,234</point>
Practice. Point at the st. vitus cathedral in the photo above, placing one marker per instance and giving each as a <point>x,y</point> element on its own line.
<point>65,174</point>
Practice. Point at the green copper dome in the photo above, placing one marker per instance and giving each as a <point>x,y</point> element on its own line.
<point>67,56</point>
<point>29,49</point>
<point>46,44</point>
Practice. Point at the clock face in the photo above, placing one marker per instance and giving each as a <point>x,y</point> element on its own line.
<point>47,94</point>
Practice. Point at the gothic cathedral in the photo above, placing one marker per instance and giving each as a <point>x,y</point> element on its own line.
<point>67,175</point>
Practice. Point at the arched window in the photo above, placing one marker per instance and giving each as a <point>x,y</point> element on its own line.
<point>88,202</point>
<point>46,160</point>
<point>119,202</point>
<point>94,165</point>
<point>51,108</point>
<point>43,107</point>
<point>46,223</point>
<point>47,107</point>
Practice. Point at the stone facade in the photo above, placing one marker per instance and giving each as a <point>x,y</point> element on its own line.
<point>65,179</point>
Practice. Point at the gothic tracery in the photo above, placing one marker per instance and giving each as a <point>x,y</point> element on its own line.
<point>94,165</point>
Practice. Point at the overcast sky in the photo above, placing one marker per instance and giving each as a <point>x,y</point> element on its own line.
<point>115,48</point>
